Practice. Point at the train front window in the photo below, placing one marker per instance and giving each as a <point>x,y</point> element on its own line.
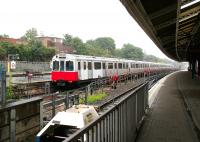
<point>61,65</point>
<point>55,65</point>
<point>69,66</point>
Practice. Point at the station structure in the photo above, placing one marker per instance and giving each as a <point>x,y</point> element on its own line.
<point>169,112</point>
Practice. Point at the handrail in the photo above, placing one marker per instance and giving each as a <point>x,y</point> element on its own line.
<point>84,130</point>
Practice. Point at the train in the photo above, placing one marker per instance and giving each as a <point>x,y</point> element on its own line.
<point>72,68</point>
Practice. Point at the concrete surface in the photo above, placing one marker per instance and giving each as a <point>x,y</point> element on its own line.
<point>168,119</point>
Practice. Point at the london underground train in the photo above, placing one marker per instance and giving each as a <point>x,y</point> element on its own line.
<point>69,68</point>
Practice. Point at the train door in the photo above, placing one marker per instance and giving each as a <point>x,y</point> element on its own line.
<point>79,70</point>
<point>90,70</point>
<point>84,71</point>
<point>97,73</point>
<point>115,69</point>
<point>120,71</point>
<point>104,69</point>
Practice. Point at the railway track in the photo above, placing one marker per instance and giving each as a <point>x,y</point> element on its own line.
<point>72,97</point>
<point>132,88</point>
<point>111,102</point>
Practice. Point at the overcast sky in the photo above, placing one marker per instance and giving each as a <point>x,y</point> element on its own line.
<point>87,19</point>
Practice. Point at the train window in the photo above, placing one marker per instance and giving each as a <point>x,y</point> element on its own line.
<point>115,65</point>
<point>79,65</point>
<point>120,65</point>
<point>110,65</point>
<point>89,65</point>
<point>97,65</point>
<point>104,65</point>
<point>84,65</point>
<point>69,66</point>
<point>55,65</point>
<point>62,65</point>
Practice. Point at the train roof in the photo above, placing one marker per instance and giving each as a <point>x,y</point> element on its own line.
<point>95,58</point>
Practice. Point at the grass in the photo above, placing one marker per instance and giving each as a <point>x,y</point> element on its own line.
<point>94,98</point>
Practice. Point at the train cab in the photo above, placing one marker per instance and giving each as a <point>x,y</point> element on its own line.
<point>63,69</point>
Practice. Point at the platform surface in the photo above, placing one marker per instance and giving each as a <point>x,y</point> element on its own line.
<point>168,119</point>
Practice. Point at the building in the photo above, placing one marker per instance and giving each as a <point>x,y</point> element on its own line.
<point>56,43</point>
<point>12,40</point>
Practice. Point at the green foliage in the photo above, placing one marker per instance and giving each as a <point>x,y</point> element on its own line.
<point>30,35</point>
<point>105,43</point>
<point>102,46</point>
<point>31,52</point>
<point>2,54</point>
<point>67,40</point>
<point>152,58</point>
<point>97,51</point>
<point>129,51</point>
<point>78,45</point>
<point>94,98</point>
<point>9,91</point>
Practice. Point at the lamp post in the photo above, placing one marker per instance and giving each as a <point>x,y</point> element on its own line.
<point>11,56</point>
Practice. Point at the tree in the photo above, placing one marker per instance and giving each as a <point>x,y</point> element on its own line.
<point>67,40</point>
<point>151,58</point>
<point>78,45</point>
<point>129,51</point>
<point>2,54</point>
<point>103,46</point>
<point>106,43</point>
<point>30,35</point>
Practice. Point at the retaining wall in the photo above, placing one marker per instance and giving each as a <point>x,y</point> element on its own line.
<point>22,66</point>
<point>20,121</point>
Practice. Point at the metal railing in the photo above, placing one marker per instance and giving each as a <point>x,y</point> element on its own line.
<point>118,124</point>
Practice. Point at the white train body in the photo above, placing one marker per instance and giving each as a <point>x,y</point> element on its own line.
<point>73,68</point>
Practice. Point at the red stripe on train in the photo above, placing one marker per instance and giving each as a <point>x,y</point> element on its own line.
<point>65,76</point>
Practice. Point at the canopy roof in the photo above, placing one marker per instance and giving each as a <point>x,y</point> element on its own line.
<point>172,25</point>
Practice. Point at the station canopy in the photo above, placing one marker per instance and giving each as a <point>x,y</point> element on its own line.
<point>173,25</point>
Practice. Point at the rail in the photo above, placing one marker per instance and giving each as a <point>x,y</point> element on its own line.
<point>61,101</point>
<point>118,124</point>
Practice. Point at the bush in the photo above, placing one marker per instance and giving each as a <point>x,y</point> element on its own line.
<point>94,98</point>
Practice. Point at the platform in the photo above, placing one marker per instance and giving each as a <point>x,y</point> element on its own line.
<point>168,119</point>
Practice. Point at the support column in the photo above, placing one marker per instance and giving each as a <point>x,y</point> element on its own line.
<point>198,67</point>
<point>193,68</point>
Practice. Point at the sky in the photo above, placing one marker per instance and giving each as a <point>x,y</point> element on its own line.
<point>87,19</point>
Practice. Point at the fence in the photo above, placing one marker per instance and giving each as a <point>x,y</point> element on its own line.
<point>118,124</point>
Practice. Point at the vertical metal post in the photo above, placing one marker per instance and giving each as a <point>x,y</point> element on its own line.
<point>53,105</point>
<point>47,88</point>
<point>41,115</point>
<point>67,101</point>
<point>193,69</point>
<point>87,93</point>
<point>12,125</point>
